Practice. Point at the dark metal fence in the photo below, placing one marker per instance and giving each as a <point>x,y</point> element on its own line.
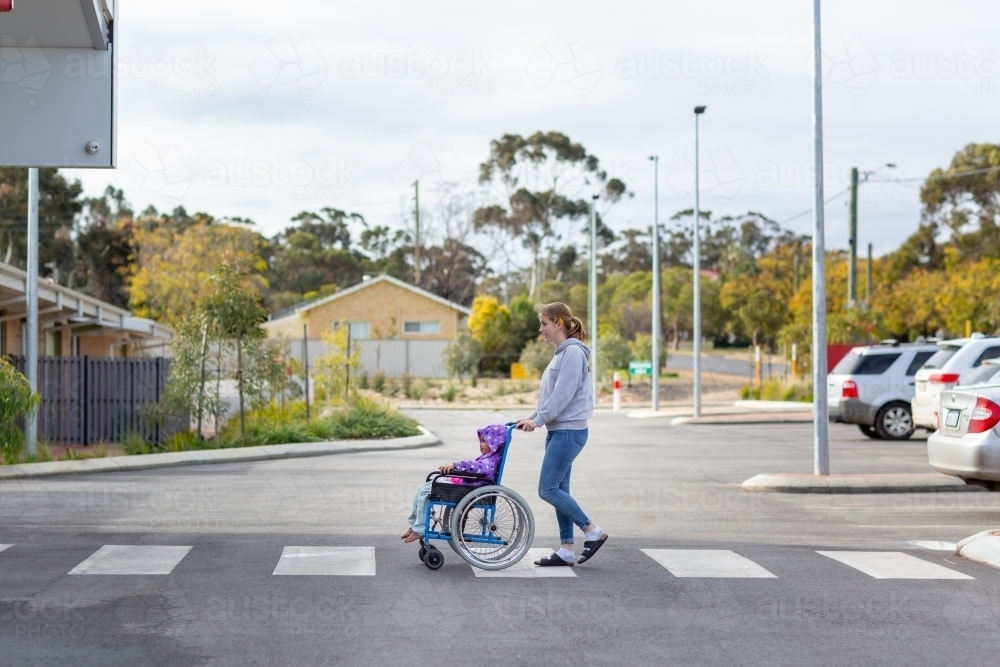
<point>86,400</point>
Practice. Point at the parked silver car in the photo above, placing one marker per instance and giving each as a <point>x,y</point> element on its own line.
<point>968,443</point>
<point>955,361</point>
<point>873,386</point>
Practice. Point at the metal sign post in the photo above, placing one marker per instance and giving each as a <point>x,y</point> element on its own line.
<point>697,268</point>
<point>31,326</point>
<point>821,442</point>
<point>657,300</point>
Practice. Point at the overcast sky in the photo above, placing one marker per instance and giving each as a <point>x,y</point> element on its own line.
<point>262,110</point>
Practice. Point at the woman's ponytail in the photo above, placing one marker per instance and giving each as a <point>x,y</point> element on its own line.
<point>560,312</point>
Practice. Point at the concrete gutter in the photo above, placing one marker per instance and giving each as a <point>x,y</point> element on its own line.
<point>982,547</point>
<point>873,483</point>
<point>232,455</point>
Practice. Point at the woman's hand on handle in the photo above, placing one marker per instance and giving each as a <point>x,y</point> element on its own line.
<point>526,425</point>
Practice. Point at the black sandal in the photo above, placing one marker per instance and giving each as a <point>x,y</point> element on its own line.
<point>554,559</point>
<point>590,548</point>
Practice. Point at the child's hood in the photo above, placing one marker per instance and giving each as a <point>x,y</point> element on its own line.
<point>495,436</point>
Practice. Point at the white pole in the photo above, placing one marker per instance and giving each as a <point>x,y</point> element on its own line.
<point>821,442</point>
<point>593,297</point>
<point>31,329</point>
<point>697,268</point>
<point>616,396</point>
<point>657,300</point>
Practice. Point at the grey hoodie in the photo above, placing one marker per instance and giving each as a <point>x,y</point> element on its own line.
<point>566,397</point>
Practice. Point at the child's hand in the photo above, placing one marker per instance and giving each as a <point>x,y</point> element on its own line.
<point>447,467</point>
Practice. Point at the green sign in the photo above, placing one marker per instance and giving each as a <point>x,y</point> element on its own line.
<point>640,368</point>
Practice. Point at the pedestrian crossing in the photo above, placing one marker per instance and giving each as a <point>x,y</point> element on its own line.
<point>360,561</point>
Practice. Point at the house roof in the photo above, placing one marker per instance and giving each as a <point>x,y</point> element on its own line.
<point>306,306</point>
<point>59,304</point>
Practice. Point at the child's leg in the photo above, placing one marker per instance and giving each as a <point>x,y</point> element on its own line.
<point>419,513</point>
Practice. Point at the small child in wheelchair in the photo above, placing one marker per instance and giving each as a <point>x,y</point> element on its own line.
<point>491,442</point>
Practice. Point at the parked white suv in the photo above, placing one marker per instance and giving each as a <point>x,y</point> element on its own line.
<point>873,386</point>
<point>952,365</point>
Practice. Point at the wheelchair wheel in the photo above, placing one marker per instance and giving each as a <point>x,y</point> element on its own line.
<point>434,559</point>
<point>492,528</point>
<point>422,553</point>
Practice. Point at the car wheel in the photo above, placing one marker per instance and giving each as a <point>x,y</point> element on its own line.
<point>894,422</point>
<point>869,431</point>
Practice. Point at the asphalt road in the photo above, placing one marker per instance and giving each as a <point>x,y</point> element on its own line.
<point>756,592</point>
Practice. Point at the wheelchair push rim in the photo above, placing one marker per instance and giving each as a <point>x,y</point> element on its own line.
<point>492,528</point>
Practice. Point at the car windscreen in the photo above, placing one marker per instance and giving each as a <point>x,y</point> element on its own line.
<point>918,360</point>
<point>981,375</point>
<point>846,365</point>
<point>988,353</point>
<point>941,357</point>
<point>875,364</point>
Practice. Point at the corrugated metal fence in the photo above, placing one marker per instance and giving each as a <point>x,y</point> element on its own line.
<point>418,358</point>
<point>86,400</point>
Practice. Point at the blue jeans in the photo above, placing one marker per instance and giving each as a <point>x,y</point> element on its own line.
<point>419,513</point>
<point>561,447</point>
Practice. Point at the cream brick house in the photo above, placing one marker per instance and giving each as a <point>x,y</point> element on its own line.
<point>378,308</point>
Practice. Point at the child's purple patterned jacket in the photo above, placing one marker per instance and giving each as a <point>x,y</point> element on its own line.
<point>495,436</point>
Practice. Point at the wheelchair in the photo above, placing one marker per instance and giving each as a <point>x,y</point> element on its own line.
<point>491,527</point>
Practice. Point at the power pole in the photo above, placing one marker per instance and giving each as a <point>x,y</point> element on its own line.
<point>852,267</point>
<point>868,291</point>
<point>416,233</point>
<point>821,432</point>
<point>796,267</point>
<point>657,301</point>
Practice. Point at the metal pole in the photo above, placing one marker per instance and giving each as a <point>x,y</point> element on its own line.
<point>593,296</point>
<point>31,328</point>
<point>852,266</point>
<point>416,233</point>
<point>305,363</point>
<point>821,442</point>
<point>697,267</point>
<point>868,291</point>
<point>657,300</point>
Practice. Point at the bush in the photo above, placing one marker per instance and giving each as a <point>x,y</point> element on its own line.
<point>362,418</point>
<point>134,444</point>
<point>450,393</point>
<point>461,356</point>
<point>16,402</point>
<point>775,389</point>
<point>535,356</point>
<point>378,382</point>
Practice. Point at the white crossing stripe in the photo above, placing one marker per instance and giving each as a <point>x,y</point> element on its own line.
<point>129,559</point>
<point>526,568</point>
<point>708,563</point>
<point>893,565</point>
<point>933,545</point>
<point>4,547</point>
<point>328,561</point>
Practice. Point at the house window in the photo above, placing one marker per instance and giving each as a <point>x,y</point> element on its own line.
<point>53,343</point>
<point>422,327</point>
<point>359,330</point>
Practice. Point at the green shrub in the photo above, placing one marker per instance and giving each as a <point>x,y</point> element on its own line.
<point>535,356</point>
<point>134,444</point>
<point>363,418</point>
<point>183,441</point>
<point>378,382</point>
<point>449,393</point>
<point>16,401</point>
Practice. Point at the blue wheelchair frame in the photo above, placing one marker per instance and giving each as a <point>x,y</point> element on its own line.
<point>483,536</point>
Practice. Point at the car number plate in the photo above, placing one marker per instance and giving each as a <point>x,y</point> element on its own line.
<point>951,418</point>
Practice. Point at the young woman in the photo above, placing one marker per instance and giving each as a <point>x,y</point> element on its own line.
<point>565,403</point>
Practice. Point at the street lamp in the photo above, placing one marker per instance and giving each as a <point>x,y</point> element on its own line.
<point>697,269</point>
<point>655,377</point>
<point>593,295</point>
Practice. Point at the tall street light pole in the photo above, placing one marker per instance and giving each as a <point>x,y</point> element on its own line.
<point>593,295</point>
<point>657,301</point>
<point>821,436</point>
<point>697,267</point>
